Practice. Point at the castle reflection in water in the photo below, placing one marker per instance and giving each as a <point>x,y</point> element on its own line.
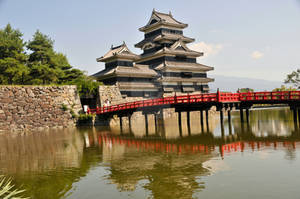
<point>47,164</point>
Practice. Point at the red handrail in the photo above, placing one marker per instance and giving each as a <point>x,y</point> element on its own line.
<point>267,97</point>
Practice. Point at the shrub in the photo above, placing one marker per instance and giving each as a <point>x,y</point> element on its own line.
<point>85,117</point>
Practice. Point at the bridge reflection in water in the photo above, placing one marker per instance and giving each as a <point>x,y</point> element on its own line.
<point>173,163</point>
<point>163,164</point>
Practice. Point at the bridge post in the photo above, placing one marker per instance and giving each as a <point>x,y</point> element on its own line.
<point>155,123</point>
<point>229,121</point>
<point>162,122</point>
<point>129,123</point>
<point>241,115</point>
<point>295,117</point>
<point>221,116</point>
<point>146,124</point>
<point>247,115</point>
<point>201,120</point>
<point>180,123</point>
<point>121,125</point>
<point>298,110</point>
<point>188,122</point>
<point>222,121</point>
<point>207,120</point>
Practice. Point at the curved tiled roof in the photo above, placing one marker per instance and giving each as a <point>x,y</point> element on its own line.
<point>137,70</point>
<point>118,51</point>
<point>183,66</point>
<point>162,18</point>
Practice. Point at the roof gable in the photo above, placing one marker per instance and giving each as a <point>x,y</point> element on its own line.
<point>118,51</point>
<point>162,18</point>
<point>180,45</point>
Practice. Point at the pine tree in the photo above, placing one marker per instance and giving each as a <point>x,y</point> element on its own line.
<point>13,68</point>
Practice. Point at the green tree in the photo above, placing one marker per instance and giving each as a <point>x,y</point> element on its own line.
<point>48,66</point>
<point>284,88</point>
<point>43,65</point>
<point>293,78</point>
<point>86,85</point>
<point>13,68</point>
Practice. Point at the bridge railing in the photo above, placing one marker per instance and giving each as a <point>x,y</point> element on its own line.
<point>270,96</point>
<point>228,97</point>
<point>202,98</point>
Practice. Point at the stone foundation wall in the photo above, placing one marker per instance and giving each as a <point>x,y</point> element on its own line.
<point>113,94</point>
<point>37,107</point>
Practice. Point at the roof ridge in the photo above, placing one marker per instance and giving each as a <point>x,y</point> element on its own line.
<point>154,11</point>
<point>119,46</point>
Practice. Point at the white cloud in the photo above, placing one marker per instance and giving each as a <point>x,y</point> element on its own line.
<point>206,48</point>
<point>257,55</point>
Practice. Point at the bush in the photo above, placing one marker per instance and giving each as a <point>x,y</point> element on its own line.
<point>85,117</point>
<point>86,85</point>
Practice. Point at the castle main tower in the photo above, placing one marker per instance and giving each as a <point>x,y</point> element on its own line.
<point>165,51</point>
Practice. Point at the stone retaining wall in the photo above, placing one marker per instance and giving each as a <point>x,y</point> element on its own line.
<point>37,107</point>
<point>113,94</point>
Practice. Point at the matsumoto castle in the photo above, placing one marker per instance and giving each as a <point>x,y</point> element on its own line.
<point>166,66</point>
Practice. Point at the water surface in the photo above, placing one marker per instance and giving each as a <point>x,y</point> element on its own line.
<point>258,160</point>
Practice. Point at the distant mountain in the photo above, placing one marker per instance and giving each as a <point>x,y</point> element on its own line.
<point>227,83</point>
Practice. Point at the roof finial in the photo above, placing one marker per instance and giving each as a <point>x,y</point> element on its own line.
<point>153,10</point>
<point>123,42</point>
<point>112,46</point>
<point>170,13</point>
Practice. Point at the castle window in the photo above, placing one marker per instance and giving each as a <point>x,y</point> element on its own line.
<point>186,74</point>
<point>153,21</point>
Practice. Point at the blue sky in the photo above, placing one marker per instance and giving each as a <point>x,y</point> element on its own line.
<point>242,38</point>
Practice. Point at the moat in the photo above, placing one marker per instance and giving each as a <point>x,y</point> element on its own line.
<point>255,160</point>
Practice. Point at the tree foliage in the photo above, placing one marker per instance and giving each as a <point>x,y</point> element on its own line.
<point>36,62</point>
<point>48,66</point>
<point>293,78</point>
<point>284,88</point>
<point>13,68</point>
<point>86,85</point>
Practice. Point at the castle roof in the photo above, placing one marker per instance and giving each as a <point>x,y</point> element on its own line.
<point>168,36</point>
<point>178,49</point>
<point>180,79</point>
<point>182,66</point>
<point>121,51</point>
<point>138,70</point>
<point>164,36</point>
<point>158,18</point>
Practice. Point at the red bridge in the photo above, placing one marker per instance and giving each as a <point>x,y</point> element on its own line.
<point>245,99</point>
<point>200,102</point>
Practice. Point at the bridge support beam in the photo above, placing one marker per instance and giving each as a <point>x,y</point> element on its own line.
<point>221,116</point>
<point>201,121</point>
<point>129,123</point>
<point>146,124</point>
<point>241,115</point>
<point>295,118</point>
<point>180,123</point>
<point>247,115</point>
<point>121,124</point>
<point>188,122</point>
<point>207,120</point>
<point>156,123</point>
<point>229,121</point>
<point>222,122</point>
<point>298,110</point>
